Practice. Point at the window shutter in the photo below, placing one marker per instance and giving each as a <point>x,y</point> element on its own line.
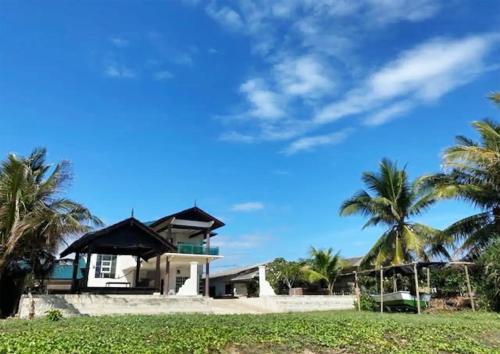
<point>98,266</point>
<point>113,266</point>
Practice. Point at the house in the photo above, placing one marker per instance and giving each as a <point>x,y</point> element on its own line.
<point>60,277</point>
<point>166,256</point>
<point>242,281</point>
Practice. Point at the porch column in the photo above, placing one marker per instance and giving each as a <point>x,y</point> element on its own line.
<point>137,270</point>
<point>207,264</point>
<point>417,291</point>
<point>76,262</point>
<point>167,278</point>
<point>157,275</point>
<point>87,268</point>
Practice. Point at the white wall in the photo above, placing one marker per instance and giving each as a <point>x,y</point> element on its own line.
<point>121,275</point>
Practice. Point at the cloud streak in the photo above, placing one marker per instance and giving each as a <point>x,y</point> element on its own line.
<point>247,207</point>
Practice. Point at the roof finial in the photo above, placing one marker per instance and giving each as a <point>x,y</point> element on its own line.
<point>132,213</point>
<point>195,202</point>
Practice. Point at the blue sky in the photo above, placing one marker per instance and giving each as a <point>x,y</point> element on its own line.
<point>264,113</point>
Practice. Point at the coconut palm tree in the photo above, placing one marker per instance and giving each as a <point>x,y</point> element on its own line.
<point>324,265</point>
<point>472,173</point>
<point>392,202</point>
<point>34,216</point>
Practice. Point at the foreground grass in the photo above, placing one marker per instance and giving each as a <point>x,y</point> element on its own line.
<point>321,332</point>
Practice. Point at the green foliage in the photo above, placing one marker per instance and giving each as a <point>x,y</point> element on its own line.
<point>332,332</point>
<point>489,276</point>
<point>34,215</point>
<point>323,266</point>
<point>391,200</point>
<point>448,282</point>
<point>54,315</point>
<point>367,303</point>
<point>284,275</point>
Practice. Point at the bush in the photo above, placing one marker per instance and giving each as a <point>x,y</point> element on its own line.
<point>53,315</point>
<point>367,303</point>
<point>488,277</point>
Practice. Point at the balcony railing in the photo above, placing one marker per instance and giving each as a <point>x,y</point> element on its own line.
<point>190,248</point>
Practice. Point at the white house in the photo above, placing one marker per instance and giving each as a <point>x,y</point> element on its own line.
<point>166,256</point>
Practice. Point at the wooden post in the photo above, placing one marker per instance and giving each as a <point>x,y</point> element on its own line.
<point>417,292</point>
<point>469,288</point>
<point>76,261</point>
<point>381,289</point>
<point>429,280</point>
<point>137,270</point>
<point>157,275</point>
<point>87,268</point>
<point>356,289</point>
<point>207,265</point>
<point>167,271</point>
<point>394,283</point>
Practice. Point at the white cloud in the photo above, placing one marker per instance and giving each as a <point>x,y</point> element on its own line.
<point>163,75</point>
<point>247,241</point>
<point>303,76</point>
<point>312,142</point>
<point>389,113</point>
<point>119,42</point>
<point>421,74</point>
<point>225,16</point>
<point>247,206</point>
<point>117,71</point>
<point>265,103</point>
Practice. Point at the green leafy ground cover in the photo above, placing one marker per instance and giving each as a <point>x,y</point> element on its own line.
<point>321,332</point>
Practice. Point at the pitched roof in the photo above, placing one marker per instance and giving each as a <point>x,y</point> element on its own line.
<point>233,272</point>
<point>194,214</point>
<point>128,237</point>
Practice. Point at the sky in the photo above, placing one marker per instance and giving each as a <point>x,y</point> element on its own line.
<point>264,114</point>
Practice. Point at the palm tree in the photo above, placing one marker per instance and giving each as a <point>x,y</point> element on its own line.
<point>392,202</point>
<point>34,216</point>
<point>323,266</point>
<point>472,173</point>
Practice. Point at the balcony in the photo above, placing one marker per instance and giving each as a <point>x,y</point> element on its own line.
<point>191,248</point>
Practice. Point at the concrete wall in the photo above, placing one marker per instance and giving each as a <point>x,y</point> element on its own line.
<point>96,305</point>
<point>122,274</point>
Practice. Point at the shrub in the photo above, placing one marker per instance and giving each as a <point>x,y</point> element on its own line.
<point>54,315</point>
<point>367,303</point>
<point>488,279</point>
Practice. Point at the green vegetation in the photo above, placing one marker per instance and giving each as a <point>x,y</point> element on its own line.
<point>328,332</point>
<point>391,200</point>
<point>34,219</point>
<point>323,266</point>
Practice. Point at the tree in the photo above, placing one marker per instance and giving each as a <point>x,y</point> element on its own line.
<point>282,273</point>
<point>323,265</point>
<point>472,173</point>
<point>392,203</point>
<point>34,216</point>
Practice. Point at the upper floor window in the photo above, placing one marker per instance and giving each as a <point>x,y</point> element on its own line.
<point>105,266</point>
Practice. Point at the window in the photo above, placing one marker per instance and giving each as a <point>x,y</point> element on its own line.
<point>179,281</point>
<point>105,266</point>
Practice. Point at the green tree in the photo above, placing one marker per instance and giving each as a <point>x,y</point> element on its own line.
<point>282,273</point>
<point>489,275</point>
<point>324,266</point>
<point>472,173</point>
<point>34,215</point>
<point>392,202</point>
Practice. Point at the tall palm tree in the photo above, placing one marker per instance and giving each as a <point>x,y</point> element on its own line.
<point>392,202</point>
<point>472,173</point>
<point>34,216</point>
<point>324,265</point>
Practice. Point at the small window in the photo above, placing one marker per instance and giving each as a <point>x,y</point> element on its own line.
<point>105,266</point>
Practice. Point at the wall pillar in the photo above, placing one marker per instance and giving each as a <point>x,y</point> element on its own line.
<point>265,289</point>
<point>190,287</point>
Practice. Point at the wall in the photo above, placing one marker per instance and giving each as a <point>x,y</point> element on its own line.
<point>123,274</point>
<point>96,305</point>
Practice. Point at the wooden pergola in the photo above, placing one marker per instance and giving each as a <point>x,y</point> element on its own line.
<point>409,269</point>
<point>127,237</point>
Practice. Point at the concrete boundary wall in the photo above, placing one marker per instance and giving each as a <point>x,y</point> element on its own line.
<point>97,305</point>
